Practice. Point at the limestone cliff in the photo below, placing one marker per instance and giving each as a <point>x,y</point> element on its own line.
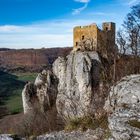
<point>79,76</point>
<point>42,93</point>
<point>30,59</point>
<point>28,96</point>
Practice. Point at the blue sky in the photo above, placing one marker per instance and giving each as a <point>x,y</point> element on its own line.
<point>49,23</point>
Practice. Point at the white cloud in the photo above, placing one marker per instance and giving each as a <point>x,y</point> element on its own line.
<point>8,28</point>
<point>43,34</point>
<point>35,41</point>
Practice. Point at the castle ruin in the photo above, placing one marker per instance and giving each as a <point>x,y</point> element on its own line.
<point>91,38</point>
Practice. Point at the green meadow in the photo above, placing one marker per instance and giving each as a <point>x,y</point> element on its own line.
<point>11,86</point>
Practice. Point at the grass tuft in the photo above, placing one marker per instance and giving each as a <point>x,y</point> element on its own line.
<point>134,123</point>
<point>87,122</point>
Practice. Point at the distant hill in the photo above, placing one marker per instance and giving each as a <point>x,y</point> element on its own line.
<point>32,60</point>
<point>4,49</point>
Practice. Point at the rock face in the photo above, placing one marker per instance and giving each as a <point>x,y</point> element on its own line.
<point>30,59</point>
<point>43,92</point>
<point>46,85</point>
<point>28,97</point>
<point>10,137</point>
<point>124,104</point>
<point>79,77</point>
<point>97,134</point>
<point>5,137</point>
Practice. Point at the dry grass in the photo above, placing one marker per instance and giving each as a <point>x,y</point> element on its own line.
<point>134,123</point>
<point>32,124</point>
<point>87,122</point>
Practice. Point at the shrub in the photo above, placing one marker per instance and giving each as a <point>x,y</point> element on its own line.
<point>87,122</point>
<point>37,122</point>
<point>134,123</point>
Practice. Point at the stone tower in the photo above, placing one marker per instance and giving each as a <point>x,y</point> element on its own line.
<point>92,38</point>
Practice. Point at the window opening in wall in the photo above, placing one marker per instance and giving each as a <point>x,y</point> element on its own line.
<point>78,49</point>
<point>83,37</point>
<point>106,28</point>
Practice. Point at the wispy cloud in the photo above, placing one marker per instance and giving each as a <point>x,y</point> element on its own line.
<point>8,28</point>
<point>102,14</point>
<point>131,2</point>
<point>79,10</point>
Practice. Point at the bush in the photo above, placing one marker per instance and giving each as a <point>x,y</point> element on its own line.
<point>87,122</point>
<point>134,123</point>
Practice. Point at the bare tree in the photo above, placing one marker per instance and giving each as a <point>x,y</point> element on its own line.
<point>132,30</point>
<point>121,41</point>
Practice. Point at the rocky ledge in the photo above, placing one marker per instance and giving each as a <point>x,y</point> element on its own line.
<point>98,134</point>
<point>123,106</point>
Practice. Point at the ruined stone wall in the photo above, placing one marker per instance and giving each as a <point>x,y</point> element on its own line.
<point>106,38</point>
<point>94,39</point>
<point>82,34</point>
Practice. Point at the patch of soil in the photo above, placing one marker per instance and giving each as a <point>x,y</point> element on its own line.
<point>9,123</point>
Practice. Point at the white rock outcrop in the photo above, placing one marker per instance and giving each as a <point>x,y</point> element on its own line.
<point>46,89</point>
<point>28,97</point>
<point>123,105</point>
<point>79,76</point>
<point>42,93</point>
<point>98,134</point>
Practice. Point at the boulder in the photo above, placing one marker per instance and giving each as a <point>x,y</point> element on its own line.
<point>126,91</point>
<point>123,105</point>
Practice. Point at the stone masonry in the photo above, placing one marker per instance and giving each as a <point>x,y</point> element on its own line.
<point>91,38</point>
